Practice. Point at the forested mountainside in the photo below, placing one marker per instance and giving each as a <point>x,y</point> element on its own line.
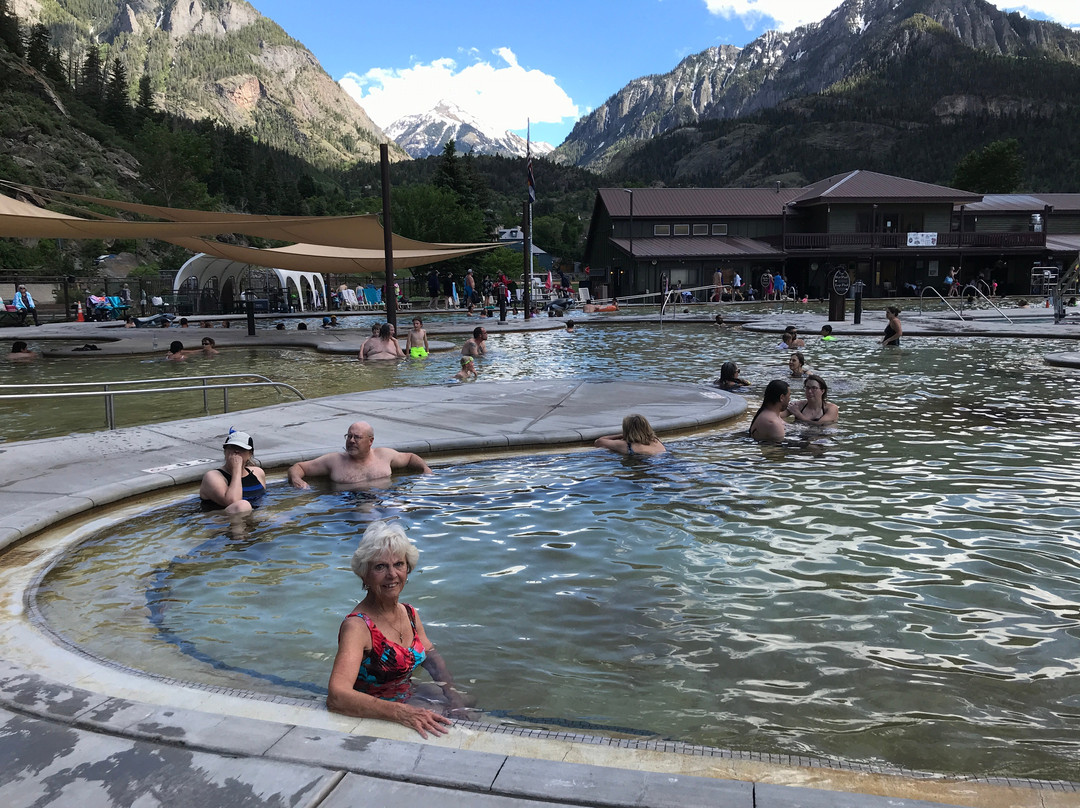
<point>216,60</point>
<point>862,40</point>
<point>917,117</point>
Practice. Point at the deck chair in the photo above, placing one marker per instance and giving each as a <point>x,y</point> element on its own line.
<point>117,307</point>
<point>349,300</point>
<point>584,296</point>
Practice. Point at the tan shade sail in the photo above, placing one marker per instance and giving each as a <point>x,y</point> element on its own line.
<point>318,258</point>
<point>22,220</point>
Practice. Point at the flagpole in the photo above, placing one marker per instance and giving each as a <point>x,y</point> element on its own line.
<point>528,229</point>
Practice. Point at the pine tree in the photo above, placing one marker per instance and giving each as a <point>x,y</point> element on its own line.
<point>37,47</point>
<point>10,36</point>
<point>91,78</point>
<point>145,103</point>
<point>117,109</point>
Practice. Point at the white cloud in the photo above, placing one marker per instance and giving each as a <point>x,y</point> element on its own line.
<point>787,15</point>
<point>500,93</point>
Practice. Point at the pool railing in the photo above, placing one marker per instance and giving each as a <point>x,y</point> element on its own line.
<point>109,393</point>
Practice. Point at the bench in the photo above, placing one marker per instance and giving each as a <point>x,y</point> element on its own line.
<point>12,316</point>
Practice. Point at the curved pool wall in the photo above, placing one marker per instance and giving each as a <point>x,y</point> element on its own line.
<point>139,460</point>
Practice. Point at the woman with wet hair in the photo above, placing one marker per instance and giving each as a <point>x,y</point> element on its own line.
<point>816,408</point>
<point>893,329</point>
<point>637,438</point>
<point>729,377</point>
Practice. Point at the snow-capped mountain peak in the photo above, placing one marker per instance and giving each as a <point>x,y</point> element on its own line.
<point>426,134</point>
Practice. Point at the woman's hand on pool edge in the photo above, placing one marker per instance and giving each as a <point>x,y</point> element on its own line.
<point>420,719</point>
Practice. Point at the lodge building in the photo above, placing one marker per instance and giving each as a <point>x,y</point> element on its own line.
<point>895,235</point>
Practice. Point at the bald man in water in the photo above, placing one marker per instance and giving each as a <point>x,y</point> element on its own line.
<point>361,462</point>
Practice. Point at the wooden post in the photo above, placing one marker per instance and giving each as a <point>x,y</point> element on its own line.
<point>388,236</point>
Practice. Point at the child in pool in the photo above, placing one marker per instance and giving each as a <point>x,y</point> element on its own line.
<point>417,343</point>
<point>468,369</point>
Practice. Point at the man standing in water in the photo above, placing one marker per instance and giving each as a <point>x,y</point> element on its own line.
<point>477,345</point>
<point>361,462</point>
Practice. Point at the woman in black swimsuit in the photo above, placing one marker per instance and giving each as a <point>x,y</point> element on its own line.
<point>637,438</point>
<point>815,409</point>
<point>235,486</point>
<point>893,329</point>
<point>729,377</point>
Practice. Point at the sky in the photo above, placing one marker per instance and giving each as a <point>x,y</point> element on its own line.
<point>550,62</point>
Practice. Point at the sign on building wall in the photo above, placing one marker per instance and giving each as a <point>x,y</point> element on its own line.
<point>922,239</point>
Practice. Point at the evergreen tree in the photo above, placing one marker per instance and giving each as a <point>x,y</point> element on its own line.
<point>56,70</point>
<point>91,78</point>
<point>10,36</point>
<point>997,168</point>
<point>145,103</point>
<point>117,108</point>
<point>451,175</point>
<point>37,47</point>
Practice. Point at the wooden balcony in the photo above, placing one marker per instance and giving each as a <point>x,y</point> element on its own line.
<point>899,241</point>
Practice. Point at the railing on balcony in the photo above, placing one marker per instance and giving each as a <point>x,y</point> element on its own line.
<point>896,241</point>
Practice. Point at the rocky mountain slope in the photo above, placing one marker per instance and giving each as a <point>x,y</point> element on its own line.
<point>220,60</point>
<point>426,134</point>
<point>857,39</point>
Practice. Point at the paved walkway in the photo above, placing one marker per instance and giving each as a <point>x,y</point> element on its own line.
<point>79,732</point>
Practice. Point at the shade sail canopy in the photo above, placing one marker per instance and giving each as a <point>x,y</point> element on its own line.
<point>22,220</point>
<point>319,258</point>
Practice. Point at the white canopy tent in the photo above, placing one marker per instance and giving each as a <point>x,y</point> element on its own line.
<point>216,273</point>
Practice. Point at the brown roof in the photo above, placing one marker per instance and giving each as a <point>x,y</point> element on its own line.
<point>869,186</point>
<point>696,247</point>
<point>699,203</point>
<point>1025,203</point>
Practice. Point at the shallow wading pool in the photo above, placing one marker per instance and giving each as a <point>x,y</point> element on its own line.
<point>903,588</point>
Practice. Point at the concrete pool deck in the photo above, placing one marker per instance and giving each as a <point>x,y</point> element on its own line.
<point>79,731</point>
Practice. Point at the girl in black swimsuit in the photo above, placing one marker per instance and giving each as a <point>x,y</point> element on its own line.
<point>816,409</point>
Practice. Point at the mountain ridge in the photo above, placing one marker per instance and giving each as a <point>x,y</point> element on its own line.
<point>220,60</point>
<point>425,134</point>
<point>858,36</point>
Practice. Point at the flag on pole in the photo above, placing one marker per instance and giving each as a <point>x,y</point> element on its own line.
<point>528,159</point>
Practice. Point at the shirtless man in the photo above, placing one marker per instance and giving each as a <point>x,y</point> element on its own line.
<point>370,340</point>
<point>361,462</point>
<point>385,346</point>
<point>475,346</point>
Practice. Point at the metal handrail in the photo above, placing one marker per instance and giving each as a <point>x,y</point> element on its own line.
<point>941,297</point>
<point>110,413</point>
<point>980,293</point>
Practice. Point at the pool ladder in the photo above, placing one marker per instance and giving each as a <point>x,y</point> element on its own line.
<point>107,390</point>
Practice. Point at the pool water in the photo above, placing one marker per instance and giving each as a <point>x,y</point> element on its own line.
<point>902,589</point>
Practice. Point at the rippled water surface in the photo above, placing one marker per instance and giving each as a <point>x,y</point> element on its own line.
<point>902,588</point>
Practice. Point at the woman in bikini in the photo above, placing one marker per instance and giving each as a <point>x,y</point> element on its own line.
<point>637,438</point>
<point>816,408</point>
<point>382,642</point>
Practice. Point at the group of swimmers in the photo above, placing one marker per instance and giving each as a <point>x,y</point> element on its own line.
<point>177,352</point>
<point>769,424</point>
<point>383,342</point>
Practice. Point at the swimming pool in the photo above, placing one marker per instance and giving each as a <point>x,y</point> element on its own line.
<point>900,589</point>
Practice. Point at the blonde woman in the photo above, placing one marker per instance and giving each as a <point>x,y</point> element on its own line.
<point>637,438</point>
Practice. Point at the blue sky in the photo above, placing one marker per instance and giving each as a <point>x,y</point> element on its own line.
<point>552,62</point>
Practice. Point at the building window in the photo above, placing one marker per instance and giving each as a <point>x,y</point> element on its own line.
<point>682,230</point>
<point>701,230</point>
<point>661,230</point>
<point>719,229</point>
